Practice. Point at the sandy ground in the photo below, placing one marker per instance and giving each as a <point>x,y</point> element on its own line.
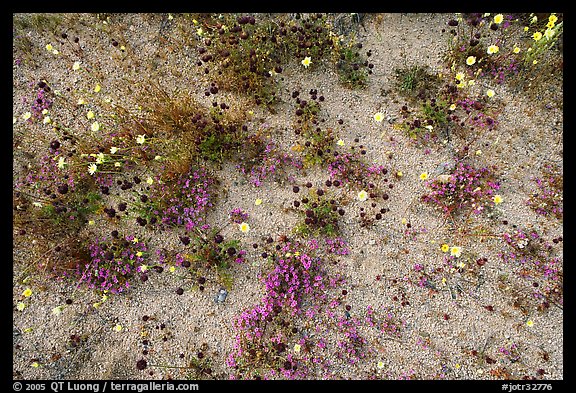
<point>440,329</point>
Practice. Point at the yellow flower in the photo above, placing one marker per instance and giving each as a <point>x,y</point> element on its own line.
<point>530,323</point>
<point>492,49</point>
<point>525,28</point>
<point>35,364</point>
<point>452,107</point>
<point>26,116</point>
<point>445,247</point>
<point>97,88</point>
<point>459,76</point>
<point>143,267</point>
<point>113,150</point>
<point>379,116</point>
<point>199,31</point>
<point>490,93</point>
<point>118,328</point>
<point>20,306</point>
<point>297,348</point>
<point>95,126</point>
<point>380,365</point>
<point>49,47</point>
<point>534,19</point>
<point>90,115</point>
<point>516,49</point>
<point>117,164</point>
<point>455,251</point>
<point>307,61</point>
<point>244,227</point>
<point>91,222</point>
<point>27,292</point>
<point>135,240</point>
<point>172,269</point>
<point>149,180</point>
<point>170,17</point>
<point>47,120</point>
<point>76,66</point>
<point>537,36</point>
<point>471,82</point>
<point>553,18</point>
<point>399,174</point>
<point>258,202</point>
<point>550,25</point>
<point>498,19</point>
<point>471,60</point>
<point>460,265</point>
<point>340,142</point>
<point>81,101</point>
<point>498,199</point>
<point>534,62</point>
<point>424,176</point>
<point>362,195</point>
<point>140,139</point>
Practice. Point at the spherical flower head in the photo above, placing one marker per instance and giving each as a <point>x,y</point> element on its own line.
<point>244,227</point>
<point>498,19</point>
<point>424,176</point>
<point>455,251</point>
<point>490,93</point>
<point>516,49</point>
<point>492,49</point>
<point>307,61</point>
<point>498,199</point>
<point>92,168</point>
<point>471,60</point>
<point>537,36</point>
<point>444,247</point>
<point>140,139</point>
<point>20,306</point>
<point>76,66</point>
<point>95,126</point>
<point>379,117</point>
<point>27,292</point>
<point>362,195</point>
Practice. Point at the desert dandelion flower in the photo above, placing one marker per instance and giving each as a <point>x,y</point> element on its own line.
<point>90,115</point>
<point>498,19</point>
<point>297,348</point>
<point>424,176</point>
<point>244,227</point>
<point>471,60</point>
<point>362,195</point>
<point>498,199</point>
<point>455,251</point>
<point>490,93</point>
<point>27,292</point>
<point>95,126</point>
<point>20,306</point>
<point>76,66</point>
<point>492,49</point>
<point>258,202</point>
<point>379,117</point>
<point>307,61</point>
<point>97,88</point>
<point>516,49</point>
<point>140,139</point>
<point>445,247</point>
<point>340,142</point>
